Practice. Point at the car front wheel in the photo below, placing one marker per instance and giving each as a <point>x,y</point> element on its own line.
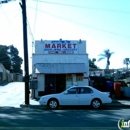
<point>96,103</point>
<point>53,104</point>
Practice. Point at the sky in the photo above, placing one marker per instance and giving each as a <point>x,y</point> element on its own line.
<point>104,24</point>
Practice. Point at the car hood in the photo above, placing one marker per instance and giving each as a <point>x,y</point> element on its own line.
<point>51,95</point>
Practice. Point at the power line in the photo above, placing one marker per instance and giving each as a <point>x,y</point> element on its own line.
<point>10,23</point>
<point>35,18</point>
<point>85,7</point>
<point>82,24</point>
<point>11,11</point>
<point>5,61</point>
<point>30,31</point>
<point>10,58</point>
<point>8,61</point>
<point>5,1</point>
<point>4,57</point>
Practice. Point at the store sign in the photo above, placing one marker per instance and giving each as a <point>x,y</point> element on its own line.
<point>60,47</point>
<point>69,77</point>
<point>79,77</point>
<point>96,73</point>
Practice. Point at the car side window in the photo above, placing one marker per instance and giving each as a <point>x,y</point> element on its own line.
<point>85,90</point>
<point>73,91</point>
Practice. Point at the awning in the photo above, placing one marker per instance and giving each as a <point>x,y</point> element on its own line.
<point>60,68</point>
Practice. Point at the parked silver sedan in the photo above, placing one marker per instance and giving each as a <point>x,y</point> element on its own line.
<point>76,96</point>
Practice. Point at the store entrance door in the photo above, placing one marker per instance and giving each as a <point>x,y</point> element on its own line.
<point>55,83</point>
<point>60,83</point>
<point>50,83</point>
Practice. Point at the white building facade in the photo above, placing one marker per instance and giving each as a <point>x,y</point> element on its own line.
<point>61,63</point>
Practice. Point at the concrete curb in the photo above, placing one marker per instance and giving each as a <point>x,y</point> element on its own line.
<point>32,106</point>
<point>115,105</point>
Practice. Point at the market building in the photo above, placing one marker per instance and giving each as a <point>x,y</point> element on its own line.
<point>58,64</point>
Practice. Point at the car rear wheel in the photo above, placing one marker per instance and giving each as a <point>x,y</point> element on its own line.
<point>53,104</point>
<point>96,103</point>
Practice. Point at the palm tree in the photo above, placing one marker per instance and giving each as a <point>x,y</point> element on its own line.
<point>92,63</point>
<point>127,62</point>
<point>107,54</point>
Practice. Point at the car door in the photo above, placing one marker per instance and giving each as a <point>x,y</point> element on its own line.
<point>85,96</point>
<point>71,97</point>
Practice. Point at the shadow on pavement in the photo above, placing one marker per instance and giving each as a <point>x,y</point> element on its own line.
<point>4,83</point>
<point>84,108</point>
<point>74,117</point>
<point>116,104</point>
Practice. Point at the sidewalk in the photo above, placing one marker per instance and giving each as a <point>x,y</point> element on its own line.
<point>115,103</point>
<point>119,103</point>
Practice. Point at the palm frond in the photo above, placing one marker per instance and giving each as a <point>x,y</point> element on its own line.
<point>101,58</point>
<point>102,55</point>
<point>112,53</point>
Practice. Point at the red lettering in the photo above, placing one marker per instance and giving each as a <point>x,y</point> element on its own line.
<point>53,46</point>
<point>63,45</point>
<point>58,45</point>
<point>69,45</point>
<point>47,45</point>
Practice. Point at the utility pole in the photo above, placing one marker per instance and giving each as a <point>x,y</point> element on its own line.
<point>26,63</point>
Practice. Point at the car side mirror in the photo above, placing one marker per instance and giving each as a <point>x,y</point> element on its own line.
<point>66,92</point>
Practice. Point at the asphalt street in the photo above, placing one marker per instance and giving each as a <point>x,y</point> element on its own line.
<point>37,118</point>
<point>13,117</point>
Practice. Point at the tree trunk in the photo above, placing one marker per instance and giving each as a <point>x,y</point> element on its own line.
<point>127,66</point>
<point>108,63</point>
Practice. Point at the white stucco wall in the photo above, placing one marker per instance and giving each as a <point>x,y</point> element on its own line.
<point>41,83</point>
<point>60,59</point>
